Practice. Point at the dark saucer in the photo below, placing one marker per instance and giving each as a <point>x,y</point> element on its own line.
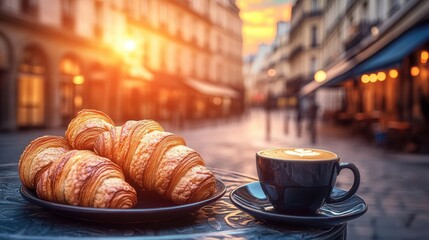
<point>251,199</point>
<point>150,209</point>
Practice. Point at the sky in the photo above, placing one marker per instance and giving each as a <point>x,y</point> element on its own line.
<point>259,21</point>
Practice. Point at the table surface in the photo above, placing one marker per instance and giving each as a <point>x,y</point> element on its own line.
<point>20,219</point>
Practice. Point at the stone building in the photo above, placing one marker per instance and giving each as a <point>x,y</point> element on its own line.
<point>163,59</point>
<point>305,42</point>
<point>374,54</point>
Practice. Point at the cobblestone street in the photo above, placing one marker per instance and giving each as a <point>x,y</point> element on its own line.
<point>393,185</point>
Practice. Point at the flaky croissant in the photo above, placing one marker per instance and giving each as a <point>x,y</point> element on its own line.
<point>38,156</point>
<point>156,160</point>
<point>75,177</point>
<point>90,124</point>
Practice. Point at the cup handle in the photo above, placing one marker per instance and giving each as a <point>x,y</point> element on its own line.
<point>354,187</point>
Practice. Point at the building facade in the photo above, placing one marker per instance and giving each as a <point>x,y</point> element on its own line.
<point>305,40</point>
<point>132,59</point>
<point>374,54</point>
<point>267,71</point>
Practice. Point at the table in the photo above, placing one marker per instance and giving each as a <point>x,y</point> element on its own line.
<point>20,219</point>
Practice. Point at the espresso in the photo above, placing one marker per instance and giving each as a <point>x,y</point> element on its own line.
<point>298,154</point>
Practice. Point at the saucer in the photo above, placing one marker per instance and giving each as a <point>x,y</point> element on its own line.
<point>251,199</point>
<point>148,209</point>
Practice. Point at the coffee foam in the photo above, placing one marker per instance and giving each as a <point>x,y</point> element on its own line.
<point>298,154</point>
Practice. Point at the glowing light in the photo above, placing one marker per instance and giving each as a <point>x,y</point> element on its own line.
<point>271,72</point>
<point>415,71</point>
<point>375,31</point>
<point>78,101</point>
<point>373,77</point>
<point>381,76</point>
<point>217,101</point>
<point>320,76</point>
<point>365,78</point>
<point>130,45</point>
<point>78,80</point>
<point>424,55</point>
<point>393,73</point>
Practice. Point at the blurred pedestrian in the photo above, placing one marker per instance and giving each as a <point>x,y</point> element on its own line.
<point>312,119</point>
<point>424,106</point>
<point>268,107</point>
<point>298,117</point>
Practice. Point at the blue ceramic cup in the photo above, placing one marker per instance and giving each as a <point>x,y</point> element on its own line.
<point>300,181</point>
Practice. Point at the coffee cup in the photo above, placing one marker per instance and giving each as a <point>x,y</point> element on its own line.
<point>300,180</point>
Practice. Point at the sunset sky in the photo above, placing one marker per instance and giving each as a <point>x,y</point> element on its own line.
<point>259,21</point>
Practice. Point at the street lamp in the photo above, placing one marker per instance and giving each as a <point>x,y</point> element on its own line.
<point>271,72</point>
<point>130,45</point>
<point>320,76</point>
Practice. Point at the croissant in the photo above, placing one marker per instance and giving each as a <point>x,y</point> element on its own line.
<point>75,177</point>
<point>90,124</point>
<point>38,156</point>
<point>156,160</point>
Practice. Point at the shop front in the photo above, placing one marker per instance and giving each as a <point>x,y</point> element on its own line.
<point>386,93</point>
<point>210,100</point>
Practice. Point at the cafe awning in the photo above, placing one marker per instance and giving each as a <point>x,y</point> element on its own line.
<point>369,60</point>
<point>211,89</point>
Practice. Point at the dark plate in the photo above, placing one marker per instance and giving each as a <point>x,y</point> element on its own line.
<point>251,199</point>
<point>148,209</point>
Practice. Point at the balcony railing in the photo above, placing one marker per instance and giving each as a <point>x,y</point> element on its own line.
<point>393,9</point>
<point>295,51</point>
<point>357,33</point>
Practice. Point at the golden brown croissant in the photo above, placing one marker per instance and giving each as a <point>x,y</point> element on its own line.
<point>80,177</point>
<point>83,130</point>
<point>73,177</point>
<point>38,156</point>
<point>156,160</point>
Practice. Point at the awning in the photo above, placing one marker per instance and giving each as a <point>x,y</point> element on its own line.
<point>165,80</point>
<point>211,89</point>
<point>392,54</point>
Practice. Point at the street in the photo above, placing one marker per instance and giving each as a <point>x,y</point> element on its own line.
<point>393,185</point>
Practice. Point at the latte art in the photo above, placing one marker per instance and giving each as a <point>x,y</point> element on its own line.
<point>294,154</point>
<point>302,152</point>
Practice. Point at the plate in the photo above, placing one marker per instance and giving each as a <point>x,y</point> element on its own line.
<point>251,199</point>
<point>149,209</point>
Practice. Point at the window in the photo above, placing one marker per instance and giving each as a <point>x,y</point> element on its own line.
<point>29,7</point>
<point>193,62</point>
<point>163,15</point>
<point>314,5</point>
<point>146,53</point>
<point>163,56</point>
<point>71,88</point>
<point>365,11</point>
<point>144,9</point>
<point>180,26</point>
<point>68,10</point>
<point>219,44</point>
<point>31,89</point>
<point>394,6</point>
<point>178,62</point>
<point>314,36</point>
<point>313,65</point>
<point>98,18</point>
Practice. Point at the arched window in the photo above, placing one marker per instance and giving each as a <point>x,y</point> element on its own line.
<point>72,82</point>
<point>31,88</point>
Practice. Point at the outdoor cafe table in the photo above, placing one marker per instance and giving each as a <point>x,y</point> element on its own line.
<point>20,219</point>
